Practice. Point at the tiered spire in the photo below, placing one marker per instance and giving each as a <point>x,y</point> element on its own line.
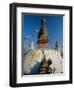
<point>43,35</point>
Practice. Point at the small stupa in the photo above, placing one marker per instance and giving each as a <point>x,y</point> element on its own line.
<point>43,35</point>
<point>58,47</point>
<point>31,46</point>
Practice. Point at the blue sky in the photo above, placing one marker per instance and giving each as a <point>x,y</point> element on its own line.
<point>54,26</point>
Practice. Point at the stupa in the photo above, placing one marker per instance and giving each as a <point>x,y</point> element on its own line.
<point>42,60</point>
<point>43,35</point>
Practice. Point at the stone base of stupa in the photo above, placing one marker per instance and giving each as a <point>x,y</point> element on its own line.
<point>33,58</point>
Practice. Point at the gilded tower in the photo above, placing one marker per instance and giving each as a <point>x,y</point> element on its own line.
<point>43,35</point>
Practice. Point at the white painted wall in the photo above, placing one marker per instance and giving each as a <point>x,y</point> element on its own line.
<point>4,43</point>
